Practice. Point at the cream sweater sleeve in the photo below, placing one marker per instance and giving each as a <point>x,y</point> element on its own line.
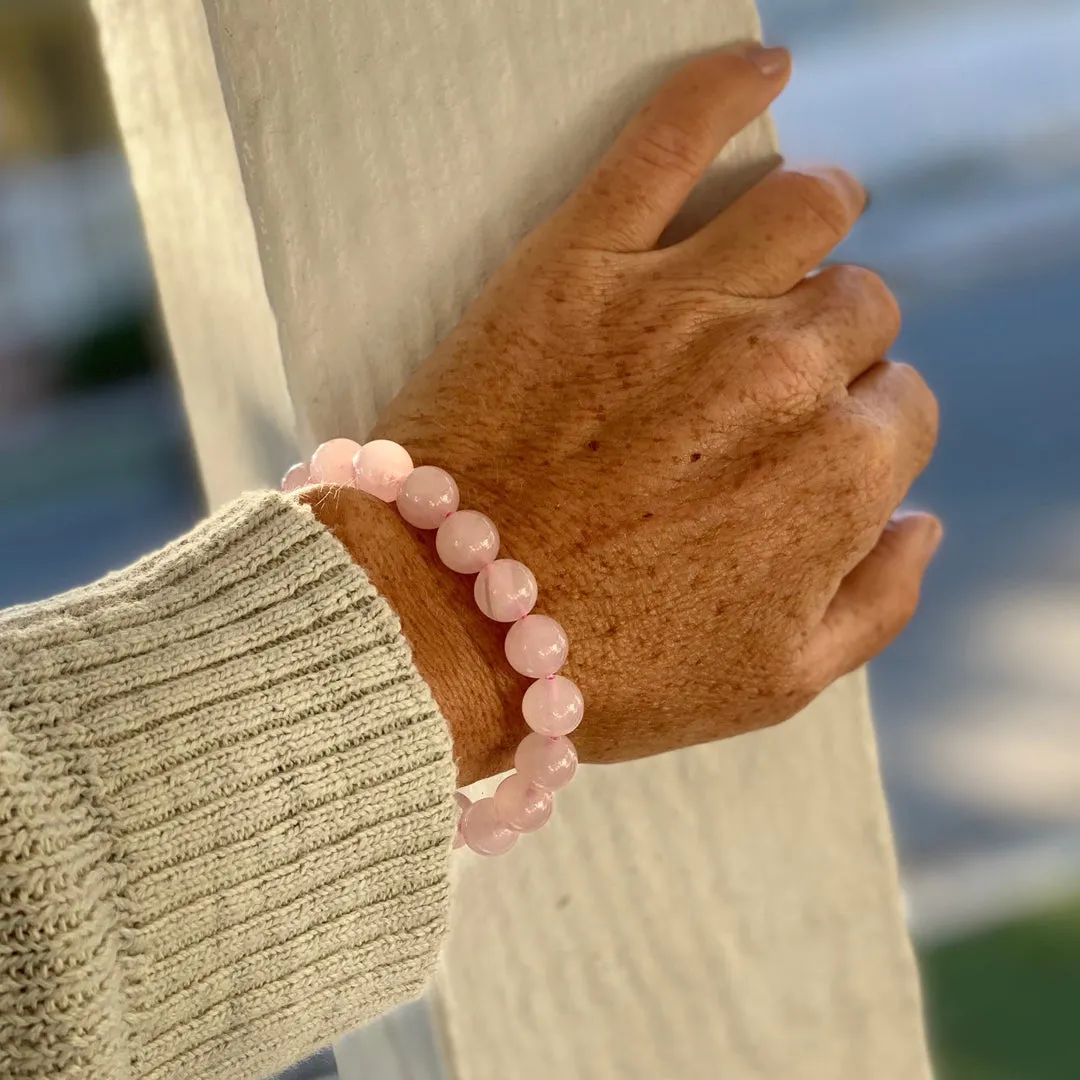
<point>226,810</point>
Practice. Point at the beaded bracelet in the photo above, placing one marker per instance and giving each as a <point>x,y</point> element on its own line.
<point>505,591</point>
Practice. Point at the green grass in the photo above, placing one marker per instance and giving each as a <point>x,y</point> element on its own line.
<point>1005,1004</point>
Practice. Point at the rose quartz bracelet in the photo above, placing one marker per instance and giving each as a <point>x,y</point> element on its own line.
<point>505,591</point>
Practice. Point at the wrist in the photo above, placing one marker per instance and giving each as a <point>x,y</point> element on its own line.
<point>458,652</point>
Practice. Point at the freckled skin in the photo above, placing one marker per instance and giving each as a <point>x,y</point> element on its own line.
<point>697,449</point>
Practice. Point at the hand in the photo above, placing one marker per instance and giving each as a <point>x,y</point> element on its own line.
<point>698,449</point>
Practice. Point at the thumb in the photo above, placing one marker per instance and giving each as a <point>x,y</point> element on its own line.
<point>877,599</point>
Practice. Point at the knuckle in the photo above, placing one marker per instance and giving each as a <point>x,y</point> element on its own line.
<point>781,669</point>
<point>868,450</point>
<point>926,412</point>
<point>671,146</point>
<point>876,472</point>
<point>685,309</point>
<point>868,289</point>
<point>789,369</point>
<point>822,199</point>
<point>808,678</point>
<point>803,677</point>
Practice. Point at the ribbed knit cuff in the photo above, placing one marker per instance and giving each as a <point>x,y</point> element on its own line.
<point>230,801</point>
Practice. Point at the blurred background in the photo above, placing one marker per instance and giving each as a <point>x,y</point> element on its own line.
<point>963,119</point>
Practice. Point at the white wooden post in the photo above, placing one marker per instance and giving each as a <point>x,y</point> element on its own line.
<point>325,185</point>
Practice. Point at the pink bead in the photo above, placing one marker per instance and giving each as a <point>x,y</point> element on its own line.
<point>505,590</point>
<point>427,497</point>
<point>536,646</point>
<point>297,477</point>
<point>521,804</point>
<point>548,763</point>
<point>379,467</point>
<point>467,541</point>
<point>553,706</point>
<point>332,462</point>
<point>464,802</point>
<point>484,832</point>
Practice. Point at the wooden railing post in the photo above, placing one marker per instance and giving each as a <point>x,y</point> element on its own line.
<point>324,186</point>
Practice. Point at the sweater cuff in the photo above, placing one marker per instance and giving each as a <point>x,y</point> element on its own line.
<point>255,792</point>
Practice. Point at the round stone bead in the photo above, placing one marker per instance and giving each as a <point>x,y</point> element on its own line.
<point>553,706</point>
<point>484,831</point>
<point>464,802</point>
<point>536,646</point>
<point>521,804</point>
<point>427,497</point>
<point>547,763</point>
<point>332,462</point>
<point>379,467</point>
<point>467,541</point>
<point>505,590</point>
<point>297,477</point>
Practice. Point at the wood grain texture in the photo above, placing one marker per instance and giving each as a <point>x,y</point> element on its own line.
<point>731,911</point>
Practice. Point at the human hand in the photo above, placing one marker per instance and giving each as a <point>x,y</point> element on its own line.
<point>697,449</point>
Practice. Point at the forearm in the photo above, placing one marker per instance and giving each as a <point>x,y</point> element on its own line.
<point>225,809</point>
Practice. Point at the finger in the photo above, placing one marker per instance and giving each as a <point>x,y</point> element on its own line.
<point>639,185</point>
<point>768,240</point>
<point>875,601</point>
<point>896,399</point>
<point>849,317</point>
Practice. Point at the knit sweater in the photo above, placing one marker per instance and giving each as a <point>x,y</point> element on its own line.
<point>226,809</point>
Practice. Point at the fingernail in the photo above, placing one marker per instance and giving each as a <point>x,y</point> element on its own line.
<point>770,62</point>
<point>932,534</point>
